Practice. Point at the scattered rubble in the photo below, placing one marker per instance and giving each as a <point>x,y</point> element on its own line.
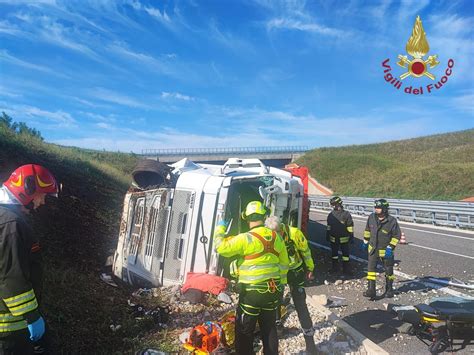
<point>328,338</point>
<point>183,315</point>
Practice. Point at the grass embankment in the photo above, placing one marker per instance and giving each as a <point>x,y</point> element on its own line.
<point>78,231</point>
<point>439,167</point>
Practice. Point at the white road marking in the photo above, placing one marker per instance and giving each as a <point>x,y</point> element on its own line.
<point>449,235</point>
<point>427,226</point>
<point>405,276</point>
<point>441,251</point>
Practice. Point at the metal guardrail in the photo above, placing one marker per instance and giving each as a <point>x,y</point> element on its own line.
<point>443,213</point>
<point>230,150</point>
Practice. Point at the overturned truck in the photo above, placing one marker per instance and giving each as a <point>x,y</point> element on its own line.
<point>167,227</point>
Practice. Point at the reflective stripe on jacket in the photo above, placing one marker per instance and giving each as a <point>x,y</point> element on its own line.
<point>297,247</point>
<point>255,270</point>
<point>382,233</point>
<point>19,255</point>
<point>340,226</point>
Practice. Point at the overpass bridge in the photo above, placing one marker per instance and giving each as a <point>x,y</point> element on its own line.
<point>272,156</point>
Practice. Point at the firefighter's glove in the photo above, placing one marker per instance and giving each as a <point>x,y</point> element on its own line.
<point>36,329</point>
<point>364,246</point>
<point>389,253</point>
<point>223,223</point>
<point>351,238</point>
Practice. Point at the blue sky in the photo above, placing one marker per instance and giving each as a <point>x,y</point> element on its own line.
<point>136,74</point>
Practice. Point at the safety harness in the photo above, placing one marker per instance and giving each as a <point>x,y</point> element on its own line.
<point>268,246</point>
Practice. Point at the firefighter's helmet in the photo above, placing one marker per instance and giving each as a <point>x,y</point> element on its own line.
<point>255,211</point>
<point>382,204</point>
<point>335,201</point>
<point>29,181</point>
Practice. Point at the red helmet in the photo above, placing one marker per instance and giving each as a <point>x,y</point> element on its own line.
<point>28,181</point>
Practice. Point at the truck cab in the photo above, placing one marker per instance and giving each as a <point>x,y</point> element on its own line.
<point>166,232</point>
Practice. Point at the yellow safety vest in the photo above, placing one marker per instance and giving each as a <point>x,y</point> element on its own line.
<point>260,261</point>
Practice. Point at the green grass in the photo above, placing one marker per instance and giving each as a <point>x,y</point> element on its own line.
<point>77,233</point>
<point>437,167</point>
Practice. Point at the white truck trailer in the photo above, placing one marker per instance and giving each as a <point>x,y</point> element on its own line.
<point>166,232</point>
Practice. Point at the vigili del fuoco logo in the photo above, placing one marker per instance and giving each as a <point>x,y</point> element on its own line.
<point>416,67</point>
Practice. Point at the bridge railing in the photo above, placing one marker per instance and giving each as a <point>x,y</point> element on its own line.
<point>447,213</point>
<point>226,151</point>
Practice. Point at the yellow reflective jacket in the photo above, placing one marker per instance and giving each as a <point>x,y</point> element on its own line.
<point>255,265</point>
<point>297,248</point>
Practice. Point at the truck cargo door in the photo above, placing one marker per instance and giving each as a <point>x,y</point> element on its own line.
<point>136,230</point>
<point>158,217</point>
<point>181,213</point>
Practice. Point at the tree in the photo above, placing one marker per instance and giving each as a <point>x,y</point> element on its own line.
<point>19,127</point>
<point>5,120</point>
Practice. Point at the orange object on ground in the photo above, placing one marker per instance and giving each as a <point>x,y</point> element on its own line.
<point>204,338</point>
<point>206,283</point>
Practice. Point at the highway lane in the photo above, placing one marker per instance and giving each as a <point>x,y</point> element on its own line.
<point>430,252</point>
<point>370,317</point>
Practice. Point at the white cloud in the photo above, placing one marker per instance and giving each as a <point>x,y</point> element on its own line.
<point>161,16</point>
<point>9,28</point>
<point>5,56</point>
<point>117,98</point>
<point>305,130</point>
<point>450,36</point>
<point>104,125</point>
<point>8,92</point>
<point>464,103</point>
<point>29,2</point>
<point>409,9</point>
<point>59,118</point>
<point>176,95</point>
<point>57,34</point>
<point>229,39</point>
<point>154,63</point>
<point>313,27</point>
<point>379,11</point>
<point>111,118</point>
<point>138,140</point>
<point>293,15</point>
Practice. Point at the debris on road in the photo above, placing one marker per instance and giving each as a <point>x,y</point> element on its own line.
<point>108,279</point>
<point>450,281</point>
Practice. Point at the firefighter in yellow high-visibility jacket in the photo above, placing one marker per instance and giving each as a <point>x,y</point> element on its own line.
<point>262,270</point>
<point>300,257</point>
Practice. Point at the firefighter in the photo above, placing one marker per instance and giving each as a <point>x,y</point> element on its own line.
<point>299,256</point>
<point>262,270</point>
<point>21,323</point>
<point>340,231</point>
<point>381,236</point>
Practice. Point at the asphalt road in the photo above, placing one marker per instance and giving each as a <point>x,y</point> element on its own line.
<point>450,254</point>
<point>429,252</point>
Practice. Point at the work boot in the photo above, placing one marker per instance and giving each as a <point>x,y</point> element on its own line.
<point>310,346</point>
<point>389,288</point>
<point>335,265</point>
<point>370,293</point>
<point>346,268</point>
